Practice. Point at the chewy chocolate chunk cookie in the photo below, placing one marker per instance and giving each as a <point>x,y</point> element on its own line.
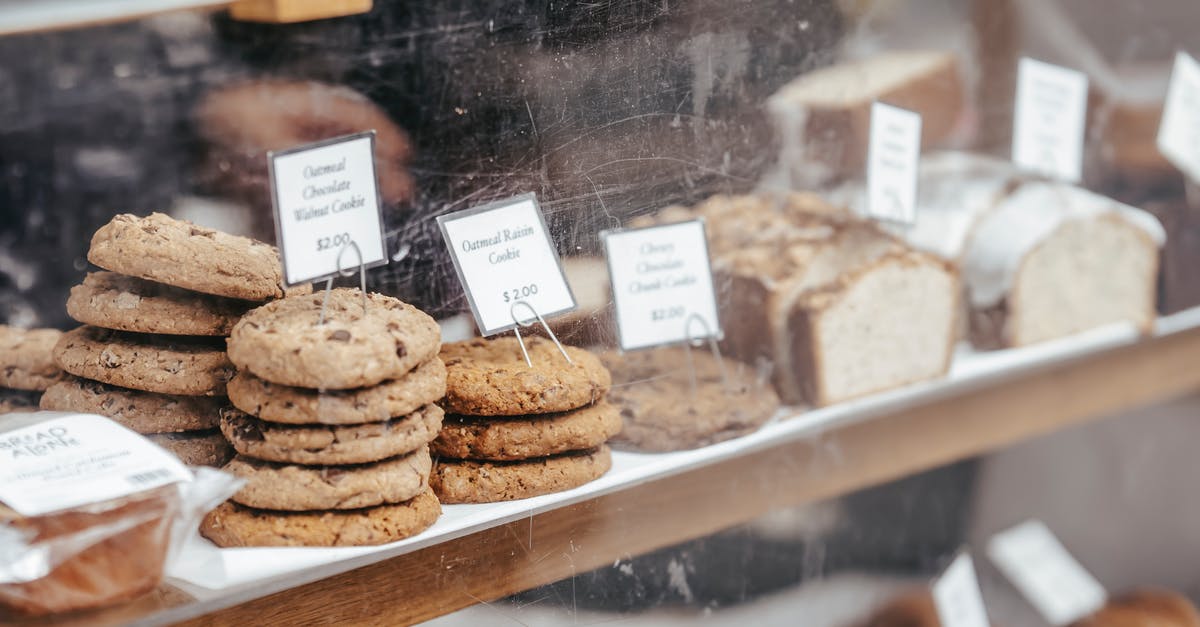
<point>116,301</point>
<point>490,378</point>
<point>196,448</point>
<point>283,343</point>
<point>189,366</point>
<point>144,412</point>
<point>26,358</point>
<point>461,481</point>
<point>523,437</point>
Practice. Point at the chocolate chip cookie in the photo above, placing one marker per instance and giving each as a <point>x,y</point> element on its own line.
<point>196,448</point>
<point>188,366</point>
<point>116,301</point>
<point>538,435</point>
<point>144,412</point>
<point>26,358</point>
<point>459,481</point>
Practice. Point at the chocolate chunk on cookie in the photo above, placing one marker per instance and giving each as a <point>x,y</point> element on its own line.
<point>293,487</point>
<point>27,359</point>
<point>196,448</point>
<point>523,437</point>
<point>183,365</point>
<point>459,481</point>
<point>116,301</point>
<point>283,343</point>
<point>292,405</point>
<point>490,378</point>
<point>144,412</point>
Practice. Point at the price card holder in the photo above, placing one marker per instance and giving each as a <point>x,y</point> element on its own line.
<point>1045,573</point>
<point>1179,130</point>
<point>504,256</point>
<point>893,156</point>
<point>1048,122</point>
<point>326,198</point>
<point>662,285</point>
<point>956,595</point>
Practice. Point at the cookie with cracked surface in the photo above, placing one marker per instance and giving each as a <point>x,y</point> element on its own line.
<point>18,401</point>
<point>125,303</point>
<point>189,366</point>
<point>330,444</point>
<point>523,437</point>
<point>662,411</point>
<point>160,248</point>
<point>291,487</point>
<point>233,525</point>
<point>490,378</point>
<point>27,359</point>
<point>292,405</point>
<point>461,481</point>
<point>281,341</point>
<point>196,448</point>
<point>144,412</point>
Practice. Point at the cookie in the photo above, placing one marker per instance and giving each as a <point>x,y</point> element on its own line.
<point>281,341</point>
<point>459,481</point>
<point>168,365</point>
<point>330,444</point>
<point>281,403</point>
<point>144,412</point>
<point>196,448</point>
<point>176,252</point>
<point>661,410</point>
<point>17,401</point>
<point>305,488</point>
<point>538,435</point>
<point>116,301</point>
<point>490,378</point>
<point>233,525</point>
<point>26,358</point>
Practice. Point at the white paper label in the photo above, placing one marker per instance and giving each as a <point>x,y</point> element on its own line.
<point>1179,130</point>
<point>325,198</point>
<point>79,459</point>
<point>893,155</point>
<point>662,284</point>
<point>503,255</point>
<point>1051,108</point>
<point>957,597</point>
<point>1045,573</point>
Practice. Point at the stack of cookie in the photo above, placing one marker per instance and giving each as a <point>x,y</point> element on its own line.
<point>332,424</point>
<point>27,366</point>
<point>513,430</point>
<point>151,353</point>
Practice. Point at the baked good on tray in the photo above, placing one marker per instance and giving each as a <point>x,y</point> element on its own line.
<point>1144,608</point>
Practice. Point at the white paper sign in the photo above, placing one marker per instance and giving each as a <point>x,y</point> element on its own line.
<point>957,597</point>
<point>326,197</point>
<point>662,284</point>
<point>1179,130</point>
<point>893,155</point>
<point>503,254</point>
<point>1048,123</point>
<point>78,459</point>
<point>1045,573</point>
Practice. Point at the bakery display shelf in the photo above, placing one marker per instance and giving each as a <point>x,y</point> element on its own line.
<point>477,553</point>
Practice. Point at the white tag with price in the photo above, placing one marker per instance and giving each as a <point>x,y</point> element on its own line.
<point>503,254</point>
<point>662,284</point>
<point>956,595</point>
<point>1179,130</point>
<point>1045,573</point>
<point>326,197</point>
<point>893,154</point>
<point>1048,120</point>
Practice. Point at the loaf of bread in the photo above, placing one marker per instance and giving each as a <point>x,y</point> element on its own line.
<point>913,609</point>
<point>1145,608</point>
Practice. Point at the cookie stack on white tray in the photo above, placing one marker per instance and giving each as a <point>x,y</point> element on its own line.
<point>332,423</point>
<point>151,353</point>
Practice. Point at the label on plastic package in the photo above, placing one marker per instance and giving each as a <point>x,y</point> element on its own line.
<point>1179,130</point>
<point>1048,120</point>
<point>957,597</point>
<point>507,263</point>
<point>662,284</point>
<point>79,459</point>
<point>326,198</point>
<point>893,156</point>
<point>1045,573</point>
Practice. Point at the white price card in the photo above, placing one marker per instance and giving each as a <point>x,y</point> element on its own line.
<point>1048,121</point>
<point>79,459</point>
<point>326,198</point>
<point>1045,573</point>
<point>504,256</point>
<point>662,284</point>
<point>1179,130</point>
<point>956,595</point>
<point>893,156</point>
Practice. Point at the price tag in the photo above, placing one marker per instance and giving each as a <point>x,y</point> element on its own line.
<point>79,459</point>
<point>893,155</point>
<point>326,197</point>
<point>1179,130</point>
<point>1045,573</point>
<point>1048,125</point>
<point>662,284</point>
<point>957,597</point>
<point>503,254</point>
